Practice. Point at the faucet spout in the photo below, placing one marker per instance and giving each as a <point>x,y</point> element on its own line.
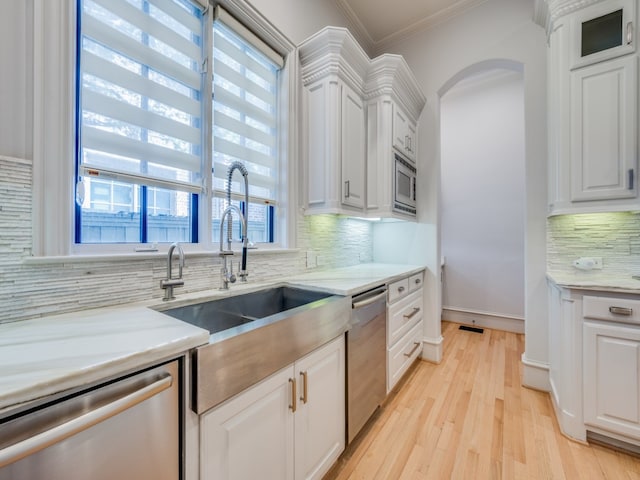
<point>244,218</point>
<point>169,283</point>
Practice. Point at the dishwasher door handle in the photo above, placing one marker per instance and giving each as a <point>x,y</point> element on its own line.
<point>369,300</point>
<point>20,450</point>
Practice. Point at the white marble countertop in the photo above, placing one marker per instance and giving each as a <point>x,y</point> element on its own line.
<point>44,356</point>
<point>596,281</point>
<point>48,355</point>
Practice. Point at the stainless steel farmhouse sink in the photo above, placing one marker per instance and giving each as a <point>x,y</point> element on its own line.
<point>256,334</point>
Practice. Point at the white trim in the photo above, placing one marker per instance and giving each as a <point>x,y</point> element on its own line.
<point>432,349</point>
<point>535,374</point>
<point>54,52</point>
<point>53,125</point>
<point>496,321</point>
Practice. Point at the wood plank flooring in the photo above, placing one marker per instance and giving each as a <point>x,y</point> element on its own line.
<point>470,418</point>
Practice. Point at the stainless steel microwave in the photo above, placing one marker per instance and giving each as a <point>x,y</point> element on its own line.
<point>404,188</point>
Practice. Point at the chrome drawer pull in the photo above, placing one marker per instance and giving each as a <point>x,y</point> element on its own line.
<point>400,289</point>
<point>412,314</point>
<point>417,280</point>
<point>416,345</point>
<point>621,311</point>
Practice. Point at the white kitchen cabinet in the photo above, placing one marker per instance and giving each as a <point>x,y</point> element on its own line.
<point>289,426</point>
<point>404,326</point>
<point>612,378</point>
<point>320,416</point>
<point>352,135</point>
<point>604,111</point>
<point>404,133</point>
<point>592,118</point>
<point>565,359</point>
<point>333,68</point>
<point>394,104</point>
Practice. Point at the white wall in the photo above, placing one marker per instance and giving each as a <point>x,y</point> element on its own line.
<point>482,204</point>
<point>496,29</point>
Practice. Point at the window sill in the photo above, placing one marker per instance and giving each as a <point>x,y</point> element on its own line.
<point>127,257</point>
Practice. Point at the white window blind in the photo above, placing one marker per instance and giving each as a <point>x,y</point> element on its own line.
<point>245,113</point>
<point>140,92</point>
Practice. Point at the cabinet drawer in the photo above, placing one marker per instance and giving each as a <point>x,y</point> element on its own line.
<point>402,355</point>
<point>402,316</point>
<point>621,310</point>
<point>415,282</point>
<point>398,289</point>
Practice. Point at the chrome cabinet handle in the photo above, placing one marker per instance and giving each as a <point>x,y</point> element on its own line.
<point>627,312</point>
<point>346,189</point>
<point>304,387</point>
<point>629,33</point>
<point>631,178</point>
<point>294,395</point>
<point>400,289</point>
<point>412,314</point>
<point>417,281</point>
<point>416,345</point>
<point>80,423</point>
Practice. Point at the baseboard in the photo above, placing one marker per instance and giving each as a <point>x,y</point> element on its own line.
<point>432,349</point>
<point>494,321</point>
<point>535,374</point>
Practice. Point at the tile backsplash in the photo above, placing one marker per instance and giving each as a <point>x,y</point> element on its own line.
<point>30,290</point>
<point>615,237</point>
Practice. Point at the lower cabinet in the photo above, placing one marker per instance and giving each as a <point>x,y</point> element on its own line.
<point>612,378</point>
<point>289,426</point>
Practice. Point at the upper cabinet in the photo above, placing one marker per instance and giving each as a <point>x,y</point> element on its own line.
<point>602,31</point>
<point>593,109</point>
<point>394,103</point>
<point>334,69</point>
<point>357,115</point>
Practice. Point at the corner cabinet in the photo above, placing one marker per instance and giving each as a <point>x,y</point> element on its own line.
<point>593,112</point>
<point>334,68</point>
<point>290,426</point>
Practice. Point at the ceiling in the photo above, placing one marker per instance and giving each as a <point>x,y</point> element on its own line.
<point>381,22</point>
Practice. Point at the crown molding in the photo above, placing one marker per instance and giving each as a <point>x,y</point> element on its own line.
<point>390,75</point>
<point>547,12</point>
<point>333,50</point>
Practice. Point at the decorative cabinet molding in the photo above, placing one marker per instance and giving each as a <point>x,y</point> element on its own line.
<point>355,112</point>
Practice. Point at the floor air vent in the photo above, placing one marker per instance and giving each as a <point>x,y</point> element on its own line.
<point>471,329</point>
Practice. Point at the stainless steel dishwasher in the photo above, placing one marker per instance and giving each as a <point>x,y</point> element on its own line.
<point>366,358</point>
<point>126,429</point>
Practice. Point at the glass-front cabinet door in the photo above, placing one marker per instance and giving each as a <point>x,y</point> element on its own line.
<point>602,31</point>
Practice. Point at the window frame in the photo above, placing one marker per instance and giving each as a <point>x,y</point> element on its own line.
<point>54,141</point>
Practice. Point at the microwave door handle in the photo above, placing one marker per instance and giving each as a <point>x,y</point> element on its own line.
<point>414,188</point>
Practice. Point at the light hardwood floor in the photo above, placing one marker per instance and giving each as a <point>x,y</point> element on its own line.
<point>469,418</point>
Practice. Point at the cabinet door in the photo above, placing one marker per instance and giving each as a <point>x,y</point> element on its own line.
<point>412,138</point>
<point>251,436</point>
<point>320,418</point>
<point>612,378</point>
<point>353,148</point>
<point>400,129</point>
<point>604,130</point>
